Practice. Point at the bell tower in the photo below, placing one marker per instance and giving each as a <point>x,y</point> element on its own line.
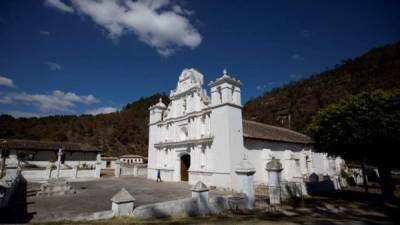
<point>225,90</point>
<point>226,125</point>
<point>157,112</point>
<point>156,115</point>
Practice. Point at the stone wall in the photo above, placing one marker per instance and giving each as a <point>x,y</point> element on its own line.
<point>36,175</point>
<point>134,170</point>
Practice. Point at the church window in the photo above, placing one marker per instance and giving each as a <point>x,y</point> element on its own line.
<point>203,125</point>
<point>233,92</point>
<point>184,106</point>
<point>166,158</point>
<point>219,94</point>
<point>203,159</point>
<point>183,133</point>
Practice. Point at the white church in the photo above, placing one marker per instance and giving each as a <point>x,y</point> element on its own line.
<point>202,138</point>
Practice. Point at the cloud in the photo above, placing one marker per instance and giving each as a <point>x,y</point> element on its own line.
<point>60,5</point>
<point>296,57</point>
<point>296,76</point>
<point>261,87</point>
<point>268,86</point>
<point>44,33</point>
<point>305,33</point>
<point>5,99</point>
<point>101,110</point>
<point>161,24</point>
<point>178,9</point>
<point>57,101</point>
<point>19,114</point>
<point>4,81</point>
<point>54,66</point>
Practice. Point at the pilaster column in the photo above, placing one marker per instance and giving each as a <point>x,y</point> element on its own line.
<point>274,169</point>
<point>245,172</point>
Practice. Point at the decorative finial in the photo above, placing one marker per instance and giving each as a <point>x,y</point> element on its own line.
<point>160,100</point>
<point>244,156</point>
<point>225,72</point>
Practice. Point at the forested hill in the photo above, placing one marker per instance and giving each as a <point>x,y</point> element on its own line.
<point>126,131</point>
<point>293,105</point>
<point>116,133</point>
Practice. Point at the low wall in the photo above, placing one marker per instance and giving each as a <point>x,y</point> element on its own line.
<point>142,171</point>
<point>71,163</point>
<point>127,171</point>
<point>86,173</point>
<point>134,170</point>
<point>192,206</point>
<point>35,175</point>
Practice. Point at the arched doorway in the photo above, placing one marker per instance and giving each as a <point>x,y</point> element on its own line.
<point>185,165</point>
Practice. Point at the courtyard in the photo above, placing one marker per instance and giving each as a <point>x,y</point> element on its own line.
<point>351,206</point>
<point>92,196</point>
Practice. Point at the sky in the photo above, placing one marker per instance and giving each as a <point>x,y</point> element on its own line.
<point>95,56</point>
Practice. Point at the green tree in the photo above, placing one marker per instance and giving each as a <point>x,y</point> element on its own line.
<point>362,127</point>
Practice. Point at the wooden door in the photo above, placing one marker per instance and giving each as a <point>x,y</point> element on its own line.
<point>185,165</point>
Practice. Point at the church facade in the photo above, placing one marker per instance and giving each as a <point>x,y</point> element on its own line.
<point>198,137</point>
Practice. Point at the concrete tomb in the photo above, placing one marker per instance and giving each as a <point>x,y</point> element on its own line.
<point>55,187</point>
<point>123,203</point>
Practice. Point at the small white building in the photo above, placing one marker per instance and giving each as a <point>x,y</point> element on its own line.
<point>41,153</point>
<point>131,159</point>
<point>202,138</point>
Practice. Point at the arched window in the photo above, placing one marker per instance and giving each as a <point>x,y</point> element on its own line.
<point>219,94</point>
<point>183,135</point>
<point>184,106</point>
<point>203,125</point>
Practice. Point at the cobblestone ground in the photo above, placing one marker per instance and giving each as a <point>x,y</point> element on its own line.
<point>92,196</point>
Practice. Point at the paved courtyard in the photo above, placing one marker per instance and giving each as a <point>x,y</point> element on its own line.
<point>92,196</point>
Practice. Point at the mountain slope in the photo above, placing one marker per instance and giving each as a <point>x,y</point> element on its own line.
<point>126,131</point>
<point>294,104</point>
<point>116,133</point>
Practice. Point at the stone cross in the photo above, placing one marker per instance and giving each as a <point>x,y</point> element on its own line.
<point>60,152</point>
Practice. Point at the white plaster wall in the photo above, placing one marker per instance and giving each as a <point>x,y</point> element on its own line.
<point>142,172</point>
<point>320,163</point>
<point>63,173</point>
<point>34,174</point>
<point>260,152</point>
<point>68,173</point>
<point>227,148</point>
<point>86,173</point>
<point>68,163</point>
<point>154,135</point>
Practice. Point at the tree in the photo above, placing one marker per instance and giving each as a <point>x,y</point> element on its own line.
<point>362,127</point>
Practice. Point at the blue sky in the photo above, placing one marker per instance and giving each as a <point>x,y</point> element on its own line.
<point>91,56</point>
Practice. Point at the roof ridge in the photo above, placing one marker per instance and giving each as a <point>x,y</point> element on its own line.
<point>46,141</point>
<point>280,128</point>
